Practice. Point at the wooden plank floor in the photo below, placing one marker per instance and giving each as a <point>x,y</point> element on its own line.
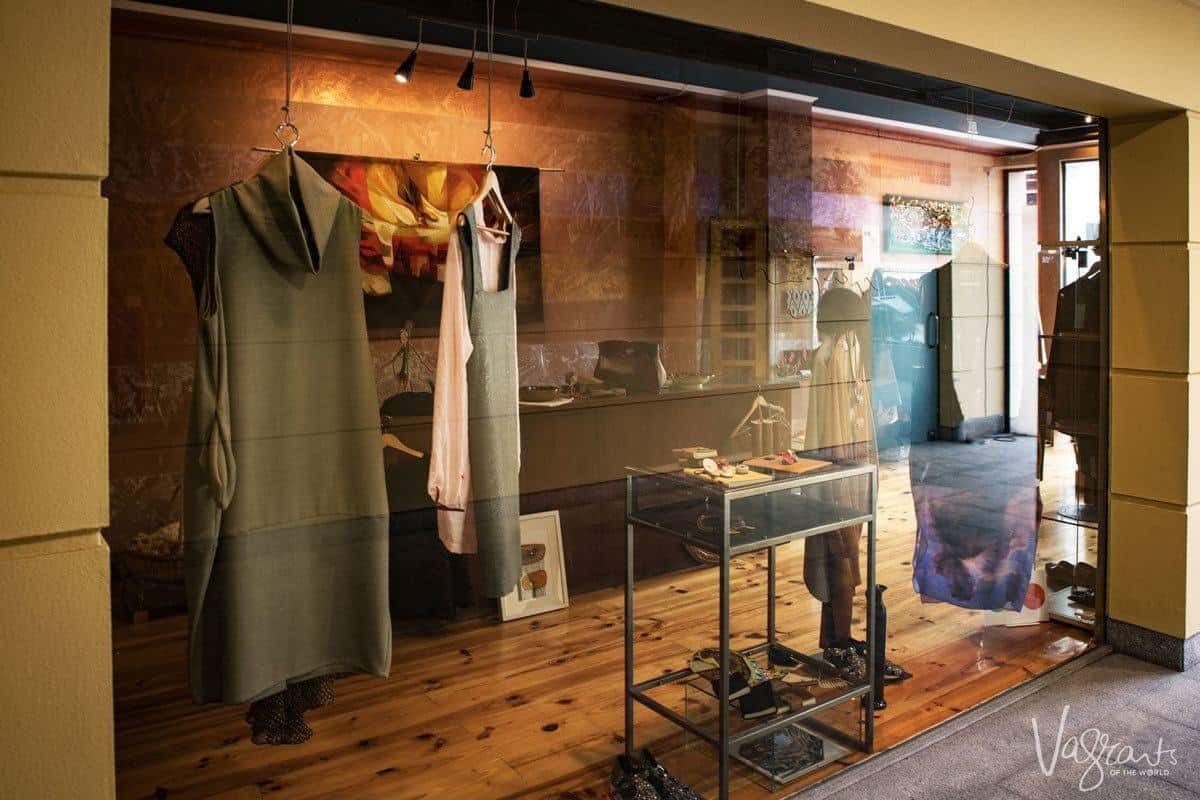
<point>533,708</point>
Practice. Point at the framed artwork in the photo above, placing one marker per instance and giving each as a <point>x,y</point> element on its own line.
<point>922,226</point>
<point>1034,609</point>
<point>543,583</point>
<point>410,206</point>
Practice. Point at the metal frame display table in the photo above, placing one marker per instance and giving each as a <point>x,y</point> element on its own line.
<point>784,510</point>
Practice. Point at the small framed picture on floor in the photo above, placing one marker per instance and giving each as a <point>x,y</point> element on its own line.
<point>542,586</point>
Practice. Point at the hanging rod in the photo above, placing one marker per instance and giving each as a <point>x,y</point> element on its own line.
<point>476,28</point>
<point>416,157</point>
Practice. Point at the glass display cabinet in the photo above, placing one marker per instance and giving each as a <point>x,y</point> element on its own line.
<point>1071,405</point>
<point>824,712</point>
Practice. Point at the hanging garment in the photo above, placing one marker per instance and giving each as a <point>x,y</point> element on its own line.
<point>1074,377</point>
<point>191,238</point>
<point>977,510</point>
<point>475,459</point>
<point>285,513</point>
<point>840,427</point>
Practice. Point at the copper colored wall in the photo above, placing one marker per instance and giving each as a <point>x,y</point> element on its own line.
<point>625,224</point>
<point>186,112</point>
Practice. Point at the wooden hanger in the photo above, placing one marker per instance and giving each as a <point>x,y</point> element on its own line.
<point>489,192</point>
<point>390,440</point>
<point>759,405</point>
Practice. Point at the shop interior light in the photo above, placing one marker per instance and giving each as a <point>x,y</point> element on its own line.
<point>527,90</point>
<point>466,81</point>
<point>404,72</point>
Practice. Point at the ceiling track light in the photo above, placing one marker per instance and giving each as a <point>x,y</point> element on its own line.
<point>466,81</point>
<point>404,72</point>
<point>527,90</point>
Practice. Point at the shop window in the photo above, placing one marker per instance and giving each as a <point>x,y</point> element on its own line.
<point>722,286</point>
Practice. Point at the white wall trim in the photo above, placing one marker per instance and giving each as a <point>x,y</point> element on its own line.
<point>924,130</point>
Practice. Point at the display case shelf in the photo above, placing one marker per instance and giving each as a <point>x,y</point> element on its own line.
<point>729,522</point>
<point>657,694</point>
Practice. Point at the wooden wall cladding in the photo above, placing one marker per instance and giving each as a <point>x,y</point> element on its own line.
<point>625,216</point>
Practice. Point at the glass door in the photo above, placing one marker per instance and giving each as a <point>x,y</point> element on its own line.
<point>1071,389</point>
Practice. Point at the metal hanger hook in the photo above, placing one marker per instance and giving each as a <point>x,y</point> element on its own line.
<point>489,149</point>
<point>293,134</point>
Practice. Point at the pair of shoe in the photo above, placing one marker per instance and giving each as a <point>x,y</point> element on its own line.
<point>643,778</point>
<point>892,672</point>
<point>279,718</point>
<point>1083,596</point>
<point>1064,573</point>
<point>847,661</point>
<point>749,683</point>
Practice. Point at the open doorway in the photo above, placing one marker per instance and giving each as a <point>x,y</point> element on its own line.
<point>1025,351</point>
<point>1053,246</point>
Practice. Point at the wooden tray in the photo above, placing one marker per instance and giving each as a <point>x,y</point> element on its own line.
<point>736,482</point>
<point>775,464</point>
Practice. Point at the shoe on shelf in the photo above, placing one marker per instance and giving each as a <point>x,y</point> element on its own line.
<point>629,782</point>
<point>743,673</point>
<point>1085,576</point>
<point>757,673</point>
<point>1059,576</point>
<point>1083,597</point>
<point>761,702</point>
<point>797,697</point>
<point>738,688</point>
<point>781,657</point>
<point>667,785</point>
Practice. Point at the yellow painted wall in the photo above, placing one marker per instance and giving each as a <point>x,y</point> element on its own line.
<point>56,733</point>
<point>1154,577</point>
<point>1073,53</point>
<point>1146,48</point>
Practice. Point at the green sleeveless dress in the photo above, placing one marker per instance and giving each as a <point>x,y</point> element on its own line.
<point>285,517</point>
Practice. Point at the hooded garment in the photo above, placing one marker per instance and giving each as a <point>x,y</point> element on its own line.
<point>285,517</point>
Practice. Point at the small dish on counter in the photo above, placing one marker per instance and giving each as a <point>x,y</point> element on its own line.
<point>691,380</point>
<point>539,394</point>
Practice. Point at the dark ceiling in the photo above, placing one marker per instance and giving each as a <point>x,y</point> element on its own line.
<point>600,36</point>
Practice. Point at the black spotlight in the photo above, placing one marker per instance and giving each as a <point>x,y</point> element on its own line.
<point>404,72</point>
<point>526,81</point>
<point>466,81</point>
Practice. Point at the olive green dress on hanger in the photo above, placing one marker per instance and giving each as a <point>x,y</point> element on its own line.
<point>285,519</point>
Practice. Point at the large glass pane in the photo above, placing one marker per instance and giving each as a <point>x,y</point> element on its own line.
<point>761,329</point>
<point>1081,200</point>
